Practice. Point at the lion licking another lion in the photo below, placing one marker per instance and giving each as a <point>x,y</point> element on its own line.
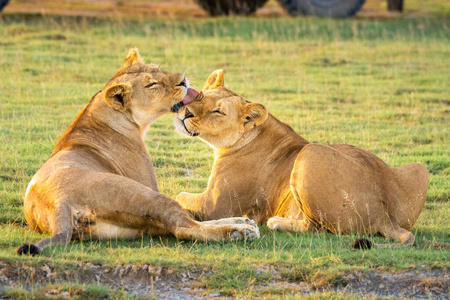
<point>99,182</point>
<point>265,171</point>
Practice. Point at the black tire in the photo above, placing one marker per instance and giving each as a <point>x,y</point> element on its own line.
<point>3,4</point>
<point>323,8</point>
<point>228,7</point>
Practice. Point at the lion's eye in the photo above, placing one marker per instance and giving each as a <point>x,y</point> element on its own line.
<point>150,84</point>
<point>218,112</point>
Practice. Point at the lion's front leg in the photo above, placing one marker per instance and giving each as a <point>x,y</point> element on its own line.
<point>291,224</point>
<point>197,204</point>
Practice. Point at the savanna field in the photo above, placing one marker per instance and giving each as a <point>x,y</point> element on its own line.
<point>379,83</point>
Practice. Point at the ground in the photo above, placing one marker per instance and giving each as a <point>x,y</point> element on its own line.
<point>166,283</point>
<point>379,81</point>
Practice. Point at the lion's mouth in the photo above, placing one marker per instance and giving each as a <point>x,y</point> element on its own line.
<point>194,133</point>
<point>190,96</point>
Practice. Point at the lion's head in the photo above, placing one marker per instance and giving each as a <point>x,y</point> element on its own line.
<point>218,116</point>
<point>145,90</point>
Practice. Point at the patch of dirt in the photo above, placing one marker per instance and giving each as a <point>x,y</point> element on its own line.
<point>417,284</point>
<point>166,283</point>
<point>134,280</point>
<point>107,8</point>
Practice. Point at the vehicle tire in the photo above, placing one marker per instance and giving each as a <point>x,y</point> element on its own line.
<point>227,7</point>
<point>323,8</point>
<point>3,4</point>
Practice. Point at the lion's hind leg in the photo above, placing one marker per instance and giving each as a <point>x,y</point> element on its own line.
<point>235,220</point>
<point>208,231</point>
<point>395,232</point>
<point>61,229</point>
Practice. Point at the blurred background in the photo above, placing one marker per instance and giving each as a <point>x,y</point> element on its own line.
<point>202,8</point>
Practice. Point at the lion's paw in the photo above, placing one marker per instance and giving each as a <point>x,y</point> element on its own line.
<point>246,232</point>
<point>246,221</point>
<point>274,222</point>
<point>242,221</point>
<point>232,221</point>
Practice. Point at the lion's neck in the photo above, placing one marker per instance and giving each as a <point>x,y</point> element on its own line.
<point>245,139</point>
<point>97,125</point>
<point>120,122</point>
<point>272,134</point>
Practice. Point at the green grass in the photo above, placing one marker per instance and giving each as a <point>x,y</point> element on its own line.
<point>379,85</point>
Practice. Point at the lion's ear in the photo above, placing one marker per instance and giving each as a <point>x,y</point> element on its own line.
<point>214,80</point>
<point>254,114</point>
<point>133,57</point>
<point>118,96</point>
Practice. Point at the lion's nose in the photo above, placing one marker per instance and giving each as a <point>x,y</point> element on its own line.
<point>183,82</point>
<point>176,107</point>
<point>188,114</point>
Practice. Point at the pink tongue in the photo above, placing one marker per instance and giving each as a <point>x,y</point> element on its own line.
<point>190,95</point>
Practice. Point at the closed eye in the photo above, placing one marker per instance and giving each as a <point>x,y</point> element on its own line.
<point>150,84</point>
<point>218,112</point>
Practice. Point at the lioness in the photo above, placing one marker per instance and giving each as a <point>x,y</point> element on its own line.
<point>99,181</point>
<point>267,172</point>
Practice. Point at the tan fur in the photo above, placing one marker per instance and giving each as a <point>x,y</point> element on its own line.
<point>265,171</point>
<point>99,181</point>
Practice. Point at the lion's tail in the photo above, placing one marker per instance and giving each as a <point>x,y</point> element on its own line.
<point>365,244</point>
